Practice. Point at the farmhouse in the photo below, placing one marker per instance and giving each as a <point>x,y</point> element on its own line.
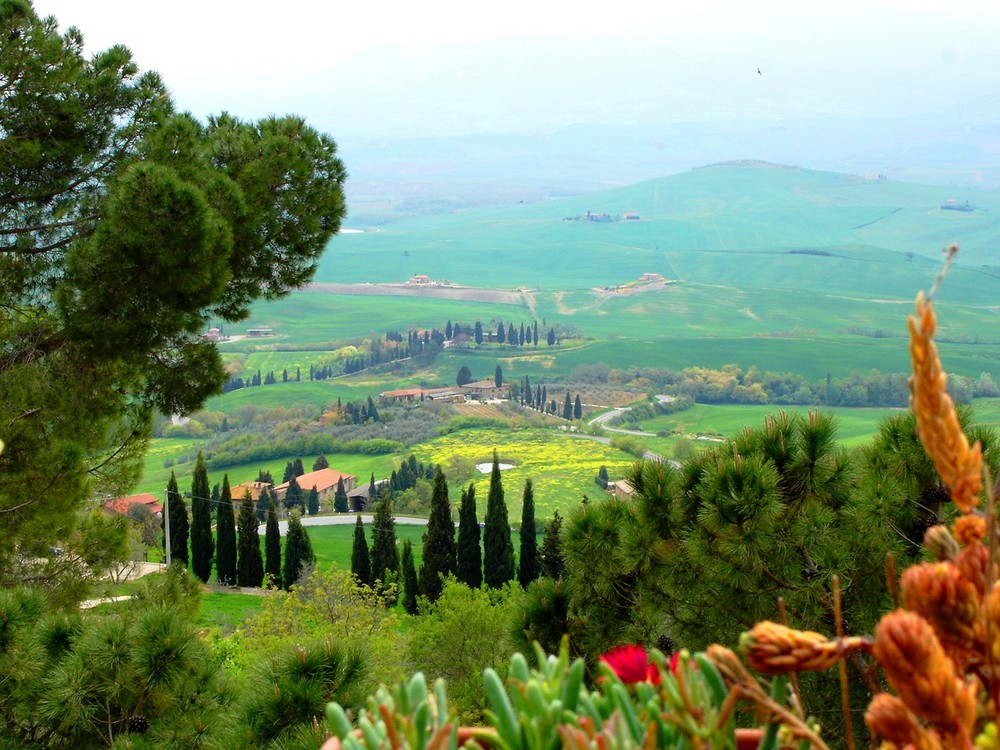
<point>483,389</point>
<point>122,505</point>
<point>324,480</point>
<point>254,489</point>
<point>358,499</point>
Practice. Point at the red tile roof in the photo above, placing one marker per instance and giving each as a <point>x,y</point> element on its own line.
<point>122,504</point>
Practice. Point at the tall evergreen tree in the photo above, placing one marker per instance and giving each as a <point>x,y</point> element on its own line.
<point>289,472</point>
<point>448,331</point>
<point>298,551</point>
<point>340,498</point>
<point>225,537</point>
<point>578,408</point>
<point>479,332</point>
<point>384,555</point>
<point>298,468</point>
<point>372,491</point>
<point>373,414</point>
<point>361,565</point>
<point>294,496</point>
<point>469,554</point>
<point>498,550</point>
<point>411,585</point>
<point>552,337</point>
<point>439,542</point>
<point>528,566</point>
<point>534,333</point>
<point>550,556</point>
<point>202,544</point>
<point>250,564</point>
<point>321,462</point>
<point>567,407</point>
<point>512,335</point>
<point>498,376</point>
<point>501,333</point>
<point>272,545</point>
<point>312,501</point>
<point>178,523</point>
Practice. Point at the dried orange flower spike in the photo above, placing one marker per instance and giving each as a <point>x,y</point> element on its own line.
<point>959,465</point>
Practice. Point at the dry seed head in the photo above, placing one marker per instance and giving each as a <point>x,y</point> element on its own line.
<point>773,648</point>
<point>970,529</point>
<point>889,718</point>
<point>959,466</point>
<point>948,601</point>
<point>940,543</point>
<point>922,674</point>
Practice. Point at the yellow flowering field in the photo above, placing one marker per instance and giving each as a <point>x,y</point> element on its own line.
<point>562,468</point>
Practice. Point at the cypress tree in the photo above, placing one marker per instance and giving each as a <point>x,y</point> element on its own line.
<point>552,337</point>
<point>411,585</point>
<point>469,555</point>
<point>384,555</point>
<point>478,334</point>
<point>528,567</point>
<point>578,408</point>
<point>293,495</point>
<point>321,462</point>
<point>202,545</point>
<point>361,565</point>
<point>498,551</point>
<point>567,407</point>
<point>498,376</point>
<point>272,546</point>
<point>511,335</point>
<point>250,565</point>
<point>225,537</point>
<point>298,468</point>
<point>298,551</point>
<point>501,333</point>
<point>439,542</point>
<point>312,501</point>
<point>550,556</point>
<point>178,523</point>
<point>340,498</point>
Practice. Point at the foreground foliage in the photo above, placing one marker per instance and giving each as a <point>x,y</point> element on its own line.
<point>125,227</point>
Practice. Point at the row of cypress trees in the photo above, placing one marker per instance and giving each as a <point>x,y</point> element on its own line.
<point>236,546</point>
<point>492,563</point>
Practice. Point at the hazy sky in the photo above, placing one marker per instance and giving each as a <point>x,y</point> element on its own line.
<point>453,67</point>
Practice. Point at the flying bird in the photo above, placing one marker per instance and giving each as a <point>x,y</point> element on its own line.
<point>759,73</point>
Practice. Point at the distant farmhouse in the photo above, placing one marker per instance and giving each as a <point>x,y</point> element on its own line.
<point>603,218</point>
<point>358,499</point>
<point>324,480</point>
<point>952,205</point>
<point>122,505</point>
<point>410,395</point>
<point>485,389</point>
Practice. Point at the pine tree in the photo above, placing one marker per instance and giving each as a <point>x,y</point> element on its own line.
<point>384,555</point>
<point>250,565</point>
<point>528,565</point>
<point>498,551</point>
<point>469,562</point>
<point>178,523</point>
<point>272,546</point>
<point>225,537</point>
<point>298,551</point>
<point>312,501</point>
<point>498,376</point>
<point>340,498</point>
<point>321,462</point>
<point>550,556</point>
<point>289,471</point>
<point>411,585</point>
<point>361,565</point>
<point>202,545</point>
<point>439,542</point>
<point>578,408</point>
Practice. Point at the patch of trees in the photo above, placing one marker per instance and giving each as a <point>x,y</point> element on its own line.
<point>506,333</point>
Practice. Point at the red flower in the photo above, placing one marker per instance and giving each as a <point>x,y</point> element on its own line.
<point>631,664</point>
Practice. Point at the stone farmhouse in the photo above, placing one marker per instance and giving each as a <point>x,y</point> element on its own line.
<point>485,389</point>
<point>325,482</point>
<point>122,505</point>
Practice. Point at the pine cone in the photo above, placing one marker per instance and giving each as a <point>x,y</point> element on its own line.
<point>138,724</point>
